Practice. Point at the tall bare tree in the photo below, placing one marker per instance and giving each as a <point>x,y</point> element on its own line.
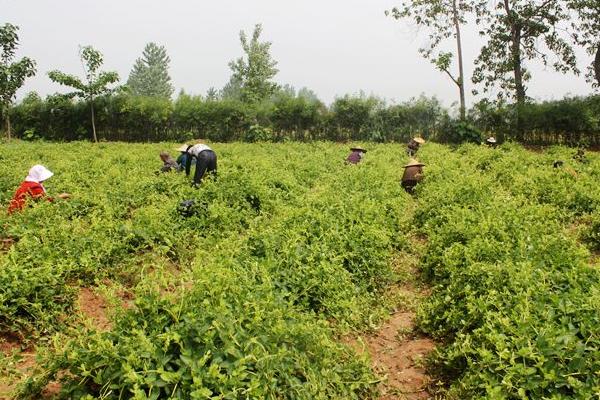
<point>443,20</point>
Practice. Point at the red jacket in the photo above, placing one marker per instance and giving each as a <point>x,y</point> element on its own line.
<point>27,189</point>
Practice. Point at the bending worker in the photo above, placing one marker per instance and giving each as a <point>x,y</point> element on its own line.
<point>413,174</point>
<point>413,146</point>
<point>206,160</point>
<point>169,164</point>
<point>357,154</point>
<point>32,188</point>
<point>491,141</point>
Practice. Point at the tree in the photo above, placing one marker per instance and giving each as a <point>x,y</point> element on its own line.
<point>588,33</point>
<point>309,95</point>
<point>212,94</point>
<point>443,19</point>
<point>232,89</point>
<point>518,31</point>
<point>12,73</point>
<point>96,82</point>
<point>150,73</point>
<point>253,73</point>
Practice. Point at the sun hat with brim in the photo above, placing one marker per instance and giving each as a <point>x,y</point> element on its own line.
<point>491,140</point>
<point>414,163</point>
<point>419,140</point>
<point>358,149</point>
<point>183,148</point>
<point>38,173</point>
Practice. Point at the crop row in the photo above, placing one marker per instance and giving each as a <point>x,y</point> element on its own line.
<point>515,300</point>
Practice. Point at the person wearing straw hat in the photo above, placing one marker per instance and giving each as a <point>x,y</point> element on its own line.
<point>205,158</point>
<point>413,145</point>
<point>491,141</point>
<point>357,154</point>
<point>32,188</point>
<point>413,174</point>
<point>183,156</point>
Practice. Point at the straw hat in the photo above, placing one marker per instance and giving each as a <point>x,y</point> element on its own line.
<point>183,148</point>
<point>414,163</point>
<point>358,149</point>
<point>419,140</point>
<point>491,139</point>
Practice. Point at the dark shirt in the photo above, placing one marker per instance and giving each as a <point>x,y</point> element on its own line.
<point>413,145</point>
<point>354,157</point>
<point>181,160</point>
<point>414,173</point>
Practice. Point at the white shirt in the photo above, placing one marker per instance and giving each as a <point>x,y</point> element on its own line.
<point>196,149</point>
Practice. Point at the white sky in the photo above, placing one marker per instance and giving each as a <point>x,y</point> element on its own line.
<point>334,47</point>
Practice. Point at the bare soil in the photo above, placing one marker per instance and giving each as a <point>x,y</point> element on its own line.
<point>93,307</point>
<point>22,366</point>
<point>399,354</point>
<point>396,348</point>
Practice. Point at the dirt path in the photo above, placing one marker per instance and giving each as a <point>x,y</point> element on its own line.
<point>397,350</point>
<point>398,354</point>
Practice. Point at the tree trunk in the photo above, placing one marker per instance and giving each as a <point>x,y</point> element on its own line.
<point>461,80</point>
<point>517,67</point>
<point>8,126</point>
<point>597,64</point>
<point>518,73</point>
<point>93,120</point>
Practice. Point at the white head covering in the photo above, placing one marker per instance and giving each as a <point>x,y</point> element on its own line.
<point>38,173</point>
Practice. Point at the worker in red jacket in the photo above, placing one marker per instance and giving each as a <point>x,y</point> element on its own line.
<point>33,188</point>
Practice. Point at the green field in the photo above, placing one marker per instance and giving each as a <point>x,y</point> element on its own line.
<point>288,251</point>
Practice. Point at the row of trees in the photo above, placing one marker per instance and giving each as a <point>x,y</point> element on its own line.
<point>516,32</point>
<point>286,115</point>
<point>291,115</point>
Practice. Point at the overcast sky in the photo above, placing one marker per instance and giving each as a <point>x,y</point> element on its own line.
<point>331,46</point>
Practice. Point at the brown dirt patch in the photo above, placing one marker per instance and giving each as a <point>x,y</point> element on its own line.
<point>22,367</point>
<point>6,243</point>
<point>398,354</point>
<point>396,349</point>
<point>94,308</point>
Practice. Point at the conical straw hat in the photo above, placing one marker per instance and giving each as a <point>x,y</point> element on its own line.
<point>414,163</point>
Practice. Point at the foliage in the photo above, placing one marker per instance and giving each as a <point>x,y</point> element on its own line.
<point>272,265</point>
<point>453,131</point>
<point>12,73</point>
<point>517,31</point>
<point>587,30</point>
<point>443,20</point>
<point>252,74</point>
<point>96,82</point>
<point>134,118</point>
<point>514,300</point>
<point>150,74</point>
